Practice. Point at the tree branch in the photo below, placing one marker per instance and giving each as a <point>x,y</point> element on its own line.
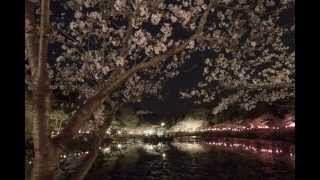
<point>157,59</point>
<point>85,111</point>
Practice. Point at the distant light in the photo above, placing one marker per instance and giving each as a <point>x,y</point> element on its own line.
<point>149,132</point>
<point>106,150</point>
<point>292,124</point>
<point>163,124</point>
<point>119,146</point>
<point>149,147</point>
<point>163,155</point>
<point>263,127</point>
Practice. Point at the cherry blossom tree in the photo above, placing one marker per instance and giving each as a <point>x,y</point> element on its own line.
<point>253,62</point>
<point>88,56</point>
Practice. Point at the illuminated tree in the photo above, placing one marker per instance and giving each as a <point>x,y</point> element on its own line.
<point>89,55</point>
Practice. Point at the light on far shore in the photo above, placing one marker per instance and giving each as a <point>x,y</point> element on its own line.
<point>163,124</point>
<point>119,146</point>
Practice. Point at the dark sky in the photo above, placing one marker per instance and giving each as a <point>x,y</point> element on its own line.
<point>171,104</point>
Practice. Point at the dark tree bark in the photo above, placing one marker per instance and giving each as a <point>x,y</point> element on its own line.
<point>46,154</point>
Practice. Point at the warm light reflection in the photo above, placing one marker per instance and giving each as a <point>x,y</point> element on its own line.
<point>163,155</point>
<point>106,150</point>
<point>83,132</point>
<point>189,147</point>
<point>235,146</point>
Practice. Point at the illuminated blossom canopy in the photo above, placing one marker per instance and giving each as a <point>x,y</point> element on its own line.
<point>87,59</point>
<point>189,125</point>
<point>244,49</point>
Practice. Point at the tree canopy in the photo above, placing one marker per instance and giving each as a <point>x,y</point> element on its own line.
<point>240,47</point>
<point>88,58</point>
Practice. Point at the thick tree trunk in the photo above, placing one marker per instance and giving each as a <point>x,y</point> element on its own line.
<point>46,154</point>
<point>78,119</point>
<point>45,164</point>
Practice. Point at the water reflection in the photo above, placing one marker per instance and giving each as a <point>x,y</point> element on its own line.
<point>252,146</point>
<point>190,158</point>
<point>189,147</point>
<point>195,159</point>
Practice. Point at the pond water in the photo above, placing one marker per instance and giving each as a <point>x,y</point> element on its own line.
<point>221,159</point>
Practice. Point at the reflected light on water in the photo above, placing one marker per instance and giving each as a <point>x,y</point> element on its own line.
<point>164,155</point>
<point>189,147</point>
<point>247,147</point>
<point>106,150</point>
